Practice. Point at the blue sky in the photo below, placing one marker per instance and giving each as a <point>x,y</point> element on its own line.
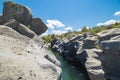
<point>63,15</point>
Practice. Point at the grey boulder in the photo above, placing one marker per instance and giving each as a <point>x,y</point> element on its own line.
<point>22,29</point>
<point>18,12</point>
<point>38,26</point>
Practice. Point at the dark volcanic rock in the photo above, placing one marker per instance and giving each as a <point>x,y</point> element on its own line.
<point>22,29</point>
<point>38,26</point>
<point>66,49</point>
<point>111,63</point>
<point>18,12</point>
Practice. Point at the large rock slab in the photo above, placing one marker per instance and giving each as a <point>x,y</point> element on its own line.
<point>18,12</point>
<point>22,29</point>
<point>38,26</point>
<point>23,58</point>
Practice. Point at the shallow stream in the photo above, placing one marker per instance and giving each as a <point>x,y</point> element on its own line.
<point>69,72</point>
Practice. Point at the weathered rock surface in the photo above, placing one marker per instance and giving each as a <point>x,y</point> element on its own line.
<point>1,19</point>
<point>96,64</point>
<point>91,60</point>
<point>111,62</point>
<point>107,34</point>
<point>22,58</point>
<point>86,40</point>
<point>23,15</point>
<point>38,26</point>
<point>18,12</point>
<point>22,29</point>
<point>66,49</point>
<point>70,50</point>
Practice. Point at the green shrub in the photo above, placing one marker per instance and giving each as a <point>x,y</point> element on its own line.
<point>93,30</point>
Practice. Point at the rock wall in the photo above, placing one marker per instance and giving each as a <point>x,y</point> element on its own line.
<point>109,42</point>
<point>96,64</point>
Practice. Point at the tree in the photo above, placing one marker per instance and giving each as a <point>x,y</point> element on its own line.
<point>84,29</point>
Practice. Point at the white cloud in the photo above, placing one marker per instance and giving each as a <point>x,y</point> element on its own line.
<point>44,34</point>
<point>50,26</point>
<point>68,28</point>
<point>79,29</point>
<point>87,27</point>
<point>108,22</point>
<point>58,32</point>
<point>117,13</point>
<point>54,23</point>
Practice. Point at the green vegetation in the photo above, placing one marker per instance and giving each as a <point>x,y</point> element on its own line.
<point>48,38</point>
<point>93,30</point>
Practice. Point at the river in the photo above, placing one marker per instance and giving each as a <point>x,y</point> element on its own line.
<point>69,72</point>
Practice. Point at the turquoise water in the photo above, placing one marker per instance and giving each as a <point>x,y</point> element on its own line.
<point>69,72</point>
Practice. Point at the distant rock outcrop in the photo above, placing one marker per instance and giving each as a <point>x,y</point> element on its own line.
<point>23,15</point>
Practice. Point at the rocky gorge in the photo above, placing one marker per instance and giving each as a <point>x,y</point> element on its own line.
<point>23,55</point>
<point>94,63</point>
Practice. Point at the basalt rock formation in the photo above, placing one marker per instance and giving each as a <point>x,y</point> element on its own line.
<point>94,63</point>
<point>23,15</point>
